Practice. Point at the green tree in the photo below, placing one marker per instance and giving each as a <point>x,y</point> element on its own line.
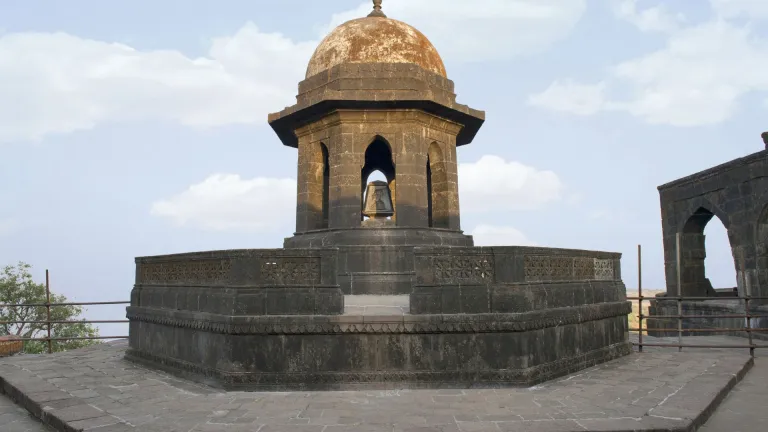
<point>17,287</point>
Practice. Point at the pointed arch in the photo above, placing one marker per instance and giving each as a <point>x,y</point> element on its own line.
<point>378,156</point>
<point>693,253</point>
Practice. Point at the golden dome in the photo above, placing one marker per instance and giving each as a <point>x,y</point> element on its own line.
<point>375,39</point>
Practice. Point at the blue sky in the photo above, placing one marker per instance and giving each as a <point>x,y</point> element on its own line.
<point>139,128</point>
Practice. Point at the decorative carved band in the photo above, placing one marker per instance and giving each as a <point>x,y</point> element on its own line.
<point>563,268</point>
<point>193,272</point>
<point>269,325</point>
<point>604,269</point>
<point>454,269</point>
<point>290,270</point>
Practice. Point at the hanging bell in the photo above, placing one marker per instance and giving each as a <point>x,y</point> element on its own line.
<point>378,202</point>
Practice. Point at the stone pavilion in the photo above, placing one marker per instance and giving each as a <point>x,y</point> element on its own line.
<point>378,287</point>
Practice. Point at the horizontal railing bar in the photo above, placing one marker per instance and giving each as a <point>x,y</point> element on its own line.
<point>702,330</point>
<point>65,304</point>
<point>69,338</point>
<point>697,298</point>
<point>67,322</point>
<point>648,317</point>
<point>697,345</point>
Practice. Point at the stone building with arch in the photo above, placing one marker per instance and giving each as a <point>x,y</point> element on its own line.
<point>736,193</point>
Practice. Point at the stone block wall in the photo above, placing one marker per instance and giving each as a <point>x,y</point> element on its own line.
<point>512,279</point>
<point>710,314</point>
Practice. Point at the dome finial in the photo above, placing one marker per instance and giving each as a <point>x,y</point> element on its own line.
<point>764,135</point>
<point>377,10</point>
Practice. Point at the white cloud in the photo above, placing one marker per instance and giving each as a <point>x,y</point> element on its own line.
<point>59,83</point>
<point>569,96</point>
<point>753,9</point>
<point>227,202</point>
<point>491,183</point>
<point>489,29</point>
<point>698,78</point>
<point>652,19</point>
<point>491,235</point>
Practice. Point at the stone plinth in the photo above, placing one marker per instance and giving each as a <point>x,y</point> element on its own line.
<point>377,260</point>
<point>476,319</point>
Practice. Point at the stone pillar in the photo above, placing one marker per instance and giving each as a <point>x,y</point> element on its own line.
<point>345,196</point>
<point>411,178</point>
<point>693,275</point>
<point>440,188</point>
<point>452,193</point>
<point>309,179</point>
<point>393,194</point>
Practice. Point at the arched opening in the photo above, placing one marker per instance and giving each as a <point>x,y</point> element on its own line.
<point>707,264</point>
<point>437,188</point>
<point>326,185</point>
<point>378,165</point>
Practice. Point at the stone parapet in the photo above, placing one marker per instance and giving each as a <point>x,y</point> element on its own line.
<point>512,279</point>
<point>241,282</point>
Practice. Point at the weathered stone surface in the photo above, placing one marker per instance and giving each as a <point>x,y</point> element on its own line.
<point>656,390</point>
<point>735,192</point>
<point>272,319</point>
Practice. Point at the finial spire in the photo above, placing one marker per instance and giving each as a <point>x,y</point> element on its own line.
<point>377,10</point>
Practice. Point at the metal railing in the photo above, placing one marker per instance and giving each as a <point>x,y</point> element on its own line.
<point>49,322</point>
<point>679,316</point>
<point>746,315</point>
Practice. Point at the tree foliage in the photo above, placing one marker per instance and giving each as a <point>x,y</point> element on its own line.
<point>18,287</point>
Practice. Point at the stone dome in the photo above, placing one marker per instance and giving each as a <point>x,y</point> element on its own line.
<point>375,39</point>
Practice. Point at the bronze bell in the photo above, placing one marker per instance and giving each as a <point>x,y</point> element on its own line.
<point>378,201</point>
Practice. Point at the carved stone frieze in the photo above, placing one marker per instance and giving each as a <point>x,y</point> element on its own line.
<point>473,269</point>
<point>604,269</point>
<point>278,270</point>
<point>192,272</point>
<point>546,268</point>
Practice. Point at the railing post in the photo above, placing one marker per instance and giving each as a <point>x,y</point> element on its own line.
<point>678,258</point>
<point>48,310</point>
<point>640,297</point>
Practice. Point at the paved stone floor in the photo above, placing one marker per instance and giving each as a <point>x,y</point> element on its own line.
<point>14,418</point>
<point>94,389</point>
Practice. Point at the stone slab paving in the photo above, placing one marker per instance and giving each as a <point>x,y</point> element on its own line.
<point>744,408</point>
<point>94,389</point>
<point>14,418</point>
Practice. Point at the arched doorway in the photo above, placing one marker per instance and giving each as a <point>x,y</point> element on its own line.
<point>707,261</point>
<point>378,165</point>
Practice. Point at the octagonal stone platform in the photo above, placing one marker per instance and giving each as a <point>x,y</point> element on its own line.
<point>476,317</point>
